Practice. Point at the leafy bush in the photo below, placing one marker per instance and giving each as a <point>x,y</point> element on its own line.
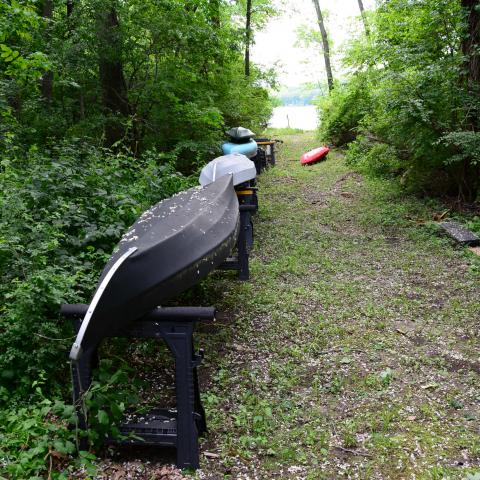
<point>376,159</point>
<point>63,211</point>
<point>104,403</point>
<point>35,441</point>
<point>410,92</point>
<point>342,111</point>
<point>474,224</point>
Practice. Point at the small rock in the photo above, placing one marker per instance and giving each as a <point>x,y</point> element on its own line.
<point>211,455</point>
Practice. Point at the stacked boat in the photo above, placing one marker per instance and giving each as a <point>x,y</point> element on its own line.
<point>171,247</point>
<point>238,165</point>
<point>174,244</point>
<point>240,141</point>
<point>244,173</point>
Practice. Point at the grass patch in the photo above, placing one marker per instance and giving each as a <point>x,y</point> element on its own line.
<point>330,365</point>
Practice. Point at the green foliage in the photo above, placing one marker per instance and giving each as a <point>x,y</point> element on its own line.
<point>247,105</point>
<point>181,69</point>
<point>35,439</point>
<point>409,92</point>
<point>342,110</point>
<point>474,224</point>
<point>38,440</point>
<point>105,402</point>
<point>377,159</point>
<point>18,56</point>
<point>466,144</point>
<point>253,419</point>
<point>62,214</point>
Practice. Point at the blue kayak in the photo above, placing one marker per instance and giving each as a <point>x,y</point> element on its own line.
<point>248,149</point>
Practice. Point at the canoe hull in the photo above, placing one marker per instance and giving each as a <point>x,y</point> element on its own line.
<point>249,149</point>
<point>242,169</point>
<point>314,155</point>
<point>173,246</point>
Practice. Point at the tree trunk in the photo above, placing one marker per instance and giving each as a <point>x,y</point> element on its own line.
<point>364,17</point>
<point>471,44</point>
<point>70,5</point>
<point>248,37</point>
<point>470,181</point>
<point>114,89</point>
<point>326,46</point>
<point>46,82</point>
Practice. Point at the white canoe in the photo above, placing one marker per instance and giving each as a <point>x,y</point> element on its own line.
<point>242,169</point>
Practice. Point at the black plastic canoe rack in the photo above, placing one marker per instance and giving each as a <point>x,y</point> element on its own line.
<point>248,205</point>
<point>268,148</point>
<point>180,427</point>
<point>266,153</point>
<point>260,161</point>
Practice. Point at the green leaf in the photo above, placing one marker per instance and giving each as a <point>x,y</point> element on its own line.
<point>103,417</point>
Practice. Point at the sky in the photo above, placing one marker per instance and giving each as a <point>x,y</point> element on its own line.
<point>277,45</point>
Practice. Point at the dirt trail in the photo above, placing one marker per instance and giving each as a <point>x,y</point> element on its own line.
<point>353,351</point>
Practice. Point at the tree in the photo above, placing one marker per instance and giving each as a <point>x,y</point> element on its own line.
<point>248,36</point>
<point>470,169</point>
<point>114,88</point>
<point>214,12</point>
<point>257,13</point>
<point>47,78</point>
<point>325,43</point>
<point>471,43</point>
<point>364,17</point>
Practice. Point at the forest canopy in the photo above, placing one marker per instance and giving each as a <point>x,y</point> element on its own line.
<point>144,74</point>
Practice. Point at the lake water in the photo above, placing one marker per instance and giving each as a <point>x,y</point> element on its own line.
<point>305,118</point>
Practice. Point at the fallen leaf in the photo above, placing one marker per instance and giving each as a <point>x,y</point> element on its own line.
<point>119,474</point>
<point>475,250</point>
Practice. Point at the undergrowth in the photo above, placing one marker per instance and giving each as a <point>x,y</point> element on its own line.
<point>63,211</point>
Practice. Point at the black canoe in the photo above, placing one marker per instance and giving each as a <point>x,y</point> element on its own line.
<point>168,249</point>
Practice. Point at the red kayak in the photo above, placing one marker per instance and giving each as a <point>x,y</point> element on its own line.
<point>314,155</point>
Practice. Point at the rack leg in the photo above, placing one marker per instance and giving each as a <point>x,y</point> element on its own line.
<point>244,273</point>
<point>201,421</point>
<point>180,340</point>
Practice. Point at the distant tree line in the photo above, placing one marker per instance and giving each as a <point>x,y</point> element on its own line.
<point>300,96</point>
